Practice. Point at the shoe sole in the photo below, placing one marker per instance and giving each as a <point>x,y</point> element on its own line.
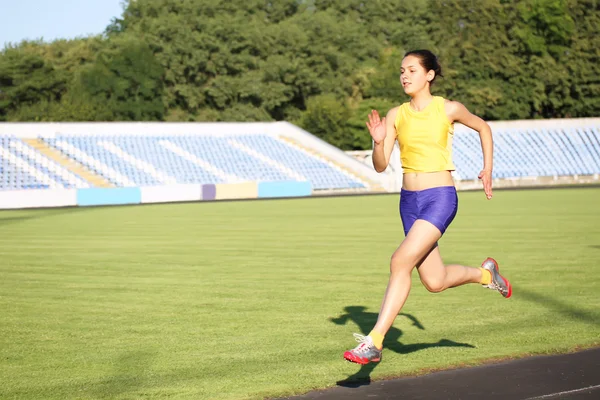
<point>503,278</point>
<point>356,360</point>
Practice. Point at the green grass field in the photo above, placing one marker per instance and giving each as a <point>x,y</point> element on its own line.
<point>236,300</point>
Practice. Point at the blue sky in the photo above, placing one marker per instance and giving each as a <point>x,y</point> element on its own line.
<point>54,19</point>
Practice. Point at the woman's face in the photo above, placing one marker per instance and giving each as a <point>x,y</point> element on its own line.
<point>413,76</point>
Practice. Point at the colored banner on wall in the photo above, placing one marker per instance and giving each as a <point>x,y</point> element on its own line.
<point>108,196</point>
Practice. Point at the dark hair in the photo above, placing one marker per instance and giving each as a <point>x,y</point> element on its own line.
<point>428,60</point>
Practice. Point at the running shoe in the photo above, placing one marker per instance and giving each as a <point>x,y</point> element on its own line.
<point>365,352</point>
<point>498,282</point>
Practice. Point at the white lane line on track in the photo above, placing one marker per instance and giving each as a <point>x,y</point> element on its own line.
<point>549,396</point>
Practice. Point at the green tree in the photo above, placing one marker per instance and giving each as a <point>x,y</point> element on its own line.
<point>322,64</point>
<point>126,78</point>
<point>580,85</point>
<point>26,79</point>
<point>357,130</point>
<point>327,117</point>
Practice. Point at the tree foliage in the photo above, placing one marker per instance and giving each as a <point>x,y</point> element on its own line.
<point>322,64</point>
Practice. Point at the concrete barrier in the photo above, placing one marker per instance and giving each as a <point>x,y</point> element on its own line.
<point>41,198</point>
<point>209,192</point>
<point>284,189</point>
<point>37,198</point>
<point>109,196</point>
<point>247,190</point>
<point>171,193</point>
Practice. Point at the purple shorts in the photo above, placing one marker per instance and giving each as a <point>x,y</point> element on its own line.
<point>437,205</point>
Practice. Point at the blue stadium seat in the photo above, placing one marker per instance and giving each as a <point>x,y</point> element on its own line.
<point>23,167</point>
<point>530,152</point>
<point>320,173</point>
<point>150,160</point>
<point>156,160</point>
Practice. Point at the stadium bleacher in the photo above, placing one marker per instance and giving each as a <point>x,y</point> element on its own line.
<point>159,160</point>
<point>22,167</point>
<point>68,160</point>
<point>530,152</point>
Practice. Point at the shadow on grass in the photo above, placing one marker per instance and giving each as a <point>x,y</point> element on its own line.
<point>595,246</point>
<point>561,307</point>
<point>366,321</point>
<point>128,375</point>
<point>38,213</point>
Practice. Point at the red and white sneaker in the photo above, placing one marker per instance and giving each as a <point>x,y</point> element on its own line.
<point>365,352</point>
<point>498,282</point>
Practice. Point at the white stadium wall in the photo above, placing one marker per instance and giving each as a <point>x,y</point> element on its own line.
<point>38,198</point>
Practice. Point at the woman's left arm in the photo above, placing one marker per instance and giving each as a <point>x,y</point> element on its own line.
<point>457,112</point>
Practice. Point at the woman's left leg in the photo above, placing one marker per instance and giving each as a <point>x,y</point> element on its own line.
<point>437,277</point>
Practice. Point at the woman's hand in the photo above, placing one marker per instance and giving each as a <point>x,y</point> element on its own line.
<point>486,178</point>
<point>376,127</point>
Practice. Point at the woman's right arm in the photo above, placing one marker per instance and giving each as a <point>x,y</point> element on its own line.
<point>383,133</point>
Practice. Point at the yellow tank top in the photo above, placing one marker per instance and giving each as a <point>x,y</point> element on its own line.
<point>425,137</point>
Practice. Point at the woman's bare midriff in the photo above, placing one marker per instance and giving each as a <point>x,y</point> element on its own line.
<point>415,181</point>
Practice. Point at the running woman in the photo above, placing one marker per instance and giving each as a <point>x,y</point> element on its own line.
<point>424,127</point>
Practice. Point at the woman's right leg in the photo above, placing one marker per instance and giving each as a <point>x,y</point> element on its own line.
<point>418,243</point>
